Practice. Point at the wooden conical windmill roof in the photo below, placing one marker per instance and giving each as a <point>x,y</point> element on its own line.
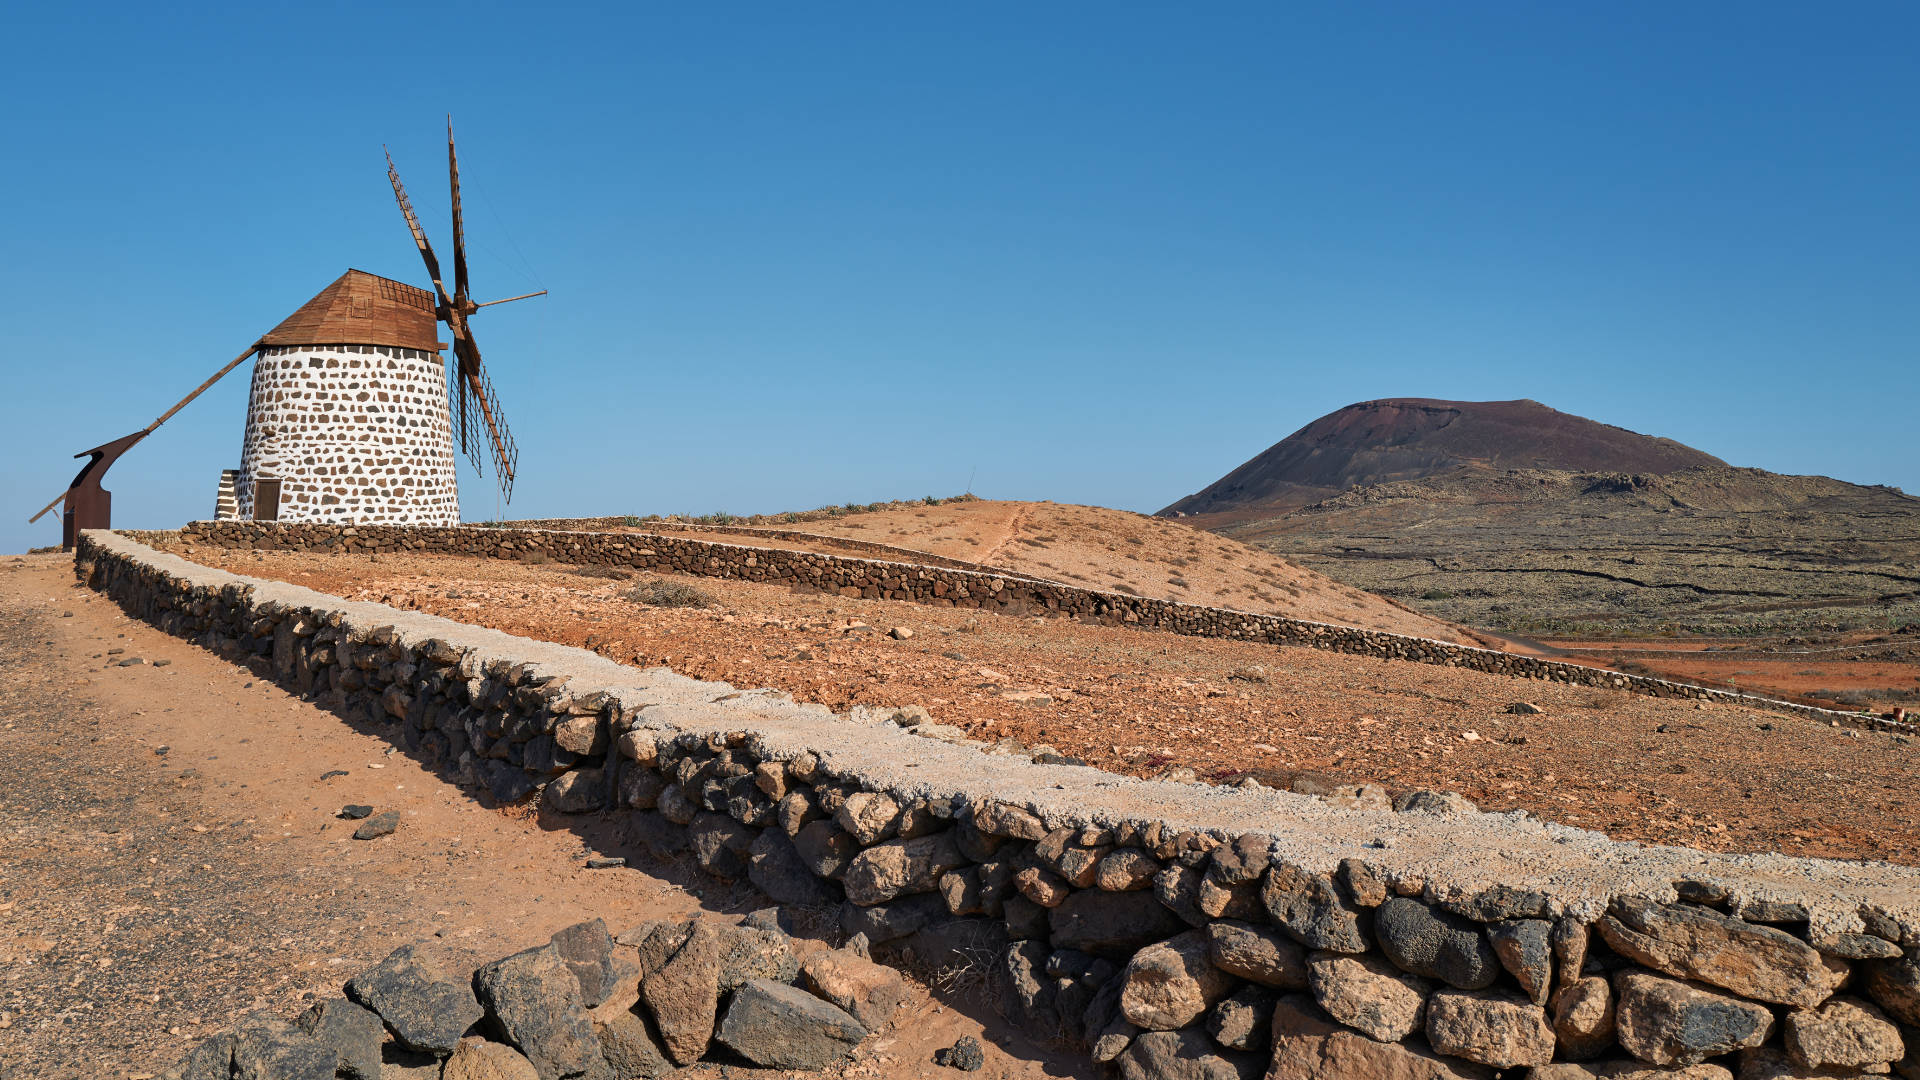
<point>363,309</point>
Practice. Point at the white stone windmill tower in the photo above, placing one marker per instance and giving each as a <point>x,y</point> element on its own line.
<point>351,418</point>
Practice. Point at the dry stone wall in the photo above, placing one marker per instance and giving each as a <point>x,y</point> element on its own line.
<point>1173,930</point>
<point>952,587</point>
<point>355,433</point>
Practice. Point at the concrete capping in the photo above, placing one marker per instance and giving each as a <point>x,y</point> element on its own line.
<point>954,587</point>
<point>648,738</point>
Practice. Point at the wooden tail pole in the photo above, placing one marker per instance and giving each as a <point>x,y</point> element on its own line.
<point>149,429</point>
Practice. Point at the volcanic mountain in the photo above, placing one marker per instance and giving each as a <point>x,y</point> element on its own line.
<point>1376,442</point>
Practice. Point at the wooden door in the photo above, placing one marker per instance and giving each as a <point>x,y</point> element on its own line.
<point>266,499</point>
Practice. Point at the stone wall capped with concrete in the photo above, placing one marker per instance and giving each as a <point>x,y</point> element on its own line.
<point>954,587</point>
<point>1174,930</point>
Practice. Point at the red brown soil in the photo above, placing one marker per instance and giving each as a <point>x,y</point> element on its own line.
<point>149,898</point>
<point>1137,702</point>
<point>1098,548</point>
<point>1872,671</point>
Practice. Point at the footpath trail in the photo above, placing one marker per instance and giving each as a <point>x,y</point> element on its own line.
<point>171,856</point>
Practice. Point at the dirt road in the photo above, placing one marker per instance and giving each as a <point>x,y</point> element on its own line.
<point>171,855</point>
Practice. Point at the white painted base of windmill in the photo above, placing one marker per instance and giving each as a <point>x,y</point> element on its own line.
<point>355,433</point>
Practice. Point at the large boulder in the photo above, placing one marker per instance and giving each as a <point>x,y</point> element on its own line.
<point>534,1000</point>
<point>783,1027</point>
<point>1172,984</point>
<point>1316,910</point>
<point>1368,994</point>
<point>423,1007</point>
<point>1422,941</point>
<point>1307,1046</point>
<point>1666,1021</point>
<point>269,1049</point>
<point>1111,924</point>
<point>1490,1028</point>
<point>1184,1055</point>
<point>900,867</point>
<point>871,993</point>
<point>1258,954</point>
<point>629,1047</point>
<point>1845,1032</point>
<point>683,994</point>
<point>354,1032</point>
<point>212,1059</point>
<point>1753,961</point>
<point>588,951</point>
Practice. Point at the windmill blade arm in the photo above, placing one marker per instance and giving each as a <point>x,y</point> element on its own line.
<point>506,456</point>
<point>419,234</point>
<point>459,227</point>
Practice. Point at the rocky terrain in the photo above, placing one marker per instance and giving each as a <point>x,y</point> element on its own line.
<point>1704,551</point>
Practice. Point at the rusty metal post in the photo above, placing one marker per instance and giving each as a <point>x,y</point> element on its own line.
<point>90,506</point>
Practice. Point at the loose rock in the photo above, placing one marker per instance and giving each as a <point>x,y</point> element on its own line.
<point>871,993</point>
<point>376,827</point>
<point>424,1008</point>
<point>781,1027</point>
<point>354,1032</point>
<point>684,995</point>
<point>965,1054</point>
<point>534,999</point>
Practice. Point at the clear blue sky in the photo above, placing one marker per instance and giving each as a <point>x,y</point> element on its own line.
<point>1097,253</point>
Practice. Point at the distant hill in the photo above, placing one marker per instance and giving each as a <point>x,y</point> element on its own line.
<point>1398,439</point>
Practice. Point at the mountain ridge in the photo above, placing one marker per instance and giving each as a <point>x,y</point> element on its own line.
<point>1397,439</point>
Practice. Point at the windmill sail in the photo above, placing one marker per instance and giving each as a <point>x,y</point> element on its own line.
<point>475,388</point>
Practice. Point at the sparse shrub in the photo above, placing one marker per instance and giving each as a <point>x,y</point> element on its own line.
<point>1177,582</point>
<point>930,500</point>
<point>660,593</point>
<point>630,521</point>
<point>1436,594</point>
<point>1135,540</point>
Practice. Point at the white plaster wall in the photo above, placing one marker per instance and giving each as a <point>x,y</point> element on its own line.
<point>356,433</point>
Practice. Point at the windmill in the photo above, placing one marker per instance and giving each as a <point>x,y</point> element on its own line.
<point>350,416</point>
<point>467,374</point>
